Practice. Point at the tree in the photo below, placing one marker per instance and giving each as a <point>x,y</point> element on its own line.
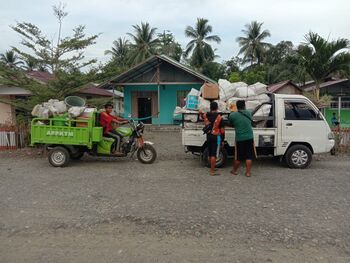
<point>168,46</point>
<point>10,59</point>
<point>199,46</point>
<point>68,77</point>
<point>279,52</point>
<point>144,43</point>
<point>214,70</point>
<point>252,46</point>
<point>321,57</point>
<point>67,54</point>
<point>232,65</point>
<point>120,52</point>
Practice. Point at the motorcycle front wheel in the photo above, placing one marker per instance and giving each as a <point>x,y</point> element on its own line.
<point>147,154</point>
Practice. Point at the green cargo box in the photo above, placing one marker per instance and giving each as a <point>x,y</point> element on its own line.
<point>43,131</point>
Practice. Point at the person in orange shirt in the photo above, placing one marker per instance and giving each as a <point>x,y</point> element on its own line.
<point>108,122</point>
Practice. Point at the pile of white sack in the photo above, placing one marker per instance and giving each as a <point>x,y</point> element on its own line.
<point>54,108</point>
<point>229,94</point>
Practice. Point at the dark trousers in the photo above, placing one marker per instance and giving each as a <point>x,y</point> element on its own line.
<point>115,135</point>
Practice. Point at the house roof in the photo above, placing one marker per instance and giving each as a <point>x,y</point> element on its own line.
<point>91,89</point>
<point>40,76</point>
<point>150,64</point>
<point>327,84</point>
<point>117,93</point>
<point>13,91</point>
<point>277,86</point>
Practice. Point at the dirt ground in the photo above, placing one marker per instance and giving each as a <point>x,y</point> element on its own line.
<point>119,210</point>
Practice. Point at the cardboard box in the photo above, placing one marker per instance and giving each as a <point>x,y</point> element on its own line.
<point>210,91</point>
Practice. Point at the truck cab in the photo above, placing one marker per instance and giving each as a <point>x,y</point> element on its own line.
<point>289,126</point>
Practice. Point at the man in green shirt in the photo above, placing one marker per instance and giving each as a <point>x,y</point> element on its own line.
<point>244,148</point>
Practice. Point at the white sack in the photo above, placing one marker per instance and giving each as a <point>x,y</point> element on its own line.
<point>74,112</point>
<point>203,105</point>
<point>178,110</point>
<point>258,88</point>
<point>244,92</point>
<point>60,106</point>
<point>261,98</point>
<point>251,104</point>
<point>228,90</point>
<point>221,105</point>
<point>194,92</point>
<point>36,110</point>
<point>264,111</point>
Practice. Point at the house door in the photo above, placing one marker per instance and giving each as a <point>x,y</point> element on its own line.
<point>145,109</point>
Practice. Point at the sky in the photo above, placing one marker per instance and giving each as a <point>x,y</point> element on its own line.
<point>285,19</point>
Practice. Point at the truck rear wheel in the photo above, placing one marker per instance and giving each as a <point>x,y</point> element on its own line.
<point>59,156</point>
<point>298,156</point>
<point>220,162</point>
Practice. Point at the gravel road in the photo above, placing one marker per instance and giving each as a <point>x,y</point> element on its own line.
<point>119,210</point>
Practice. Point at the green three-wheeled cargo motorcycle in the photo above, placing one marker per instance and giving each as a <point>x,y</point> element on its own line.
<point>68,139</point>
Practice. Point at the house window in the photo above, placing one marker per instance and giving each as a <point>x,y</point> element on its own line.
<point>299,111</point>
<point>345,103</point>
<point>181,96</point>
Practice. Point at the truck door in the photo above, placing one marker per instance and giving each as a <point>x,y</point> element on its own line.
<point>303,123</point>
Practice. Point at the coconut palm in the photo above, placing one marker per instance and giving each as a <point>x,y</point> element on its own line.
<point>201,50</point>
<point>144,43</point>
<point>119,51</point>
<point>251,44</point>
<point>321,58</point>
<point>9,58</point>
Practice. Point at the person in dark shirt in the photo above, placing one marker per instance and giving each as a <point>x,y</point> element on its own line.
<point>215,136</point>
<point>334,120</point>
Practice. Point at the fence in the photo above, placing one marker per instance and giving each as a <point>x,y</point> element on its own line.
<point>342,139</point>
<point>12,138</point>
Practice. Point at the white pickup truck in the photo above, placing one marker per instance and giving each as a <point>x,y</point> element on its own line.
<point>294,130</point>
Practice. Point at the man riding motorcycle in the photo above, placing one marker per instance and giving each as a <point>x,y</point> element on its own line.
<point>108,122</point>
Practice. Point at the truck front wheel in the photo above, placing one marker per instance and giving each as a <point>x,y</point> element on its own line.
<point>59,156</point>
<point>220,161</point>
<point>298,156</point>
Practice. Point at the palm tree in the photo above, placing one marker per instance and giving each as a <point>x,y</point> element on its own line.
<point>120,51</point>
<point>321,58</point>
<point>30,64</point>
<point>251,44</point>
<point>9,58</point>
<point>202,52</point>
<point>144,43</point>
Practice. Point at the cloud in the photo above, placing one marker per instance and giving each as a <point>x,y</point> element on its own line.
<point>286,20</point>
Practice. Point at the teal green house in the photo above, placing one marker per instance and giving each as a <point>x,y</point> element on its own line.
<point>153,88</point>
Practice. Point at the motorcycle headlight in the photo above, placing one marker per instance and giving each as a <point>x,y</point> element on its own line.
<point>140,126</point>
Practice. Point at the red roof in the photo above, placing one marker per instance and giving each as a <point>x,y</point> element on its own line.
<point>277,86</point>
<point>91,89</point>
<point>41,76</point>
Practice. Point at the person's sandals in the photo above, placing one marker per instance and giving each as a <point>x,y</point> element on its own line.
<point>215,173</point>
<point>233,172</point>
<point>248,174</point>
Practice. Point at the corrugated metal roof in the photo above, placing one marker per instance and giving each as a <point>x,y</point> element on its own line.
<point>150,64</point>
<point>277,86</point>
<point>15,91</point>
<point>41,76</point>
<point>91,89</point>
<point>326,84</point>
